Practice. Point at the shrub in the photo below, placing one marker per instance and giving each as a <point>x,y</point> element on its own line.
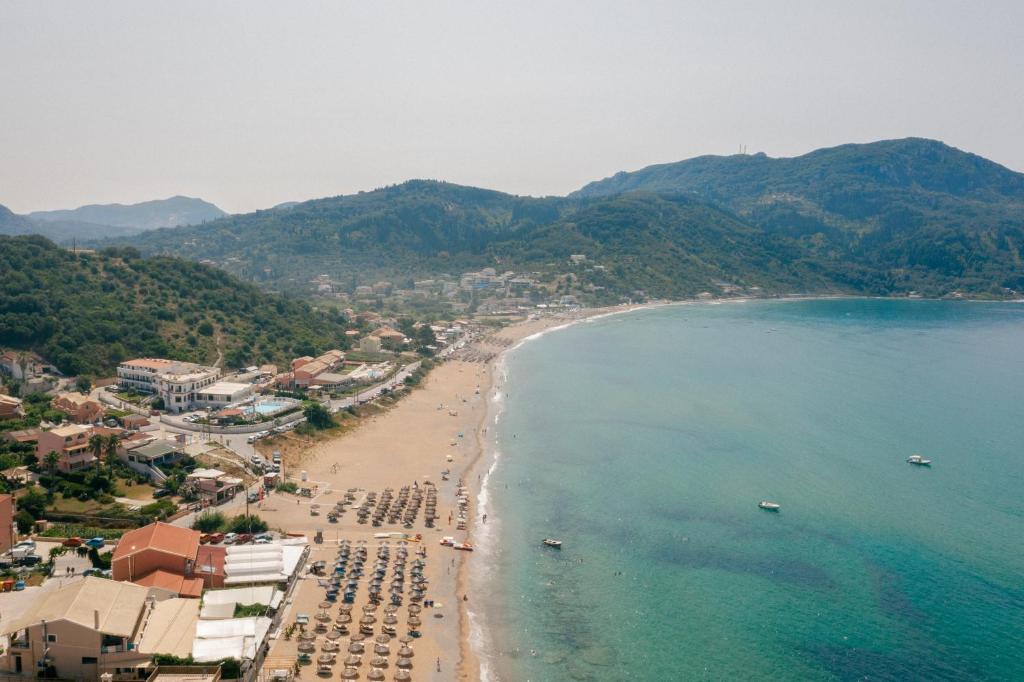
<point>209,522</point>
<point>288,487</point>
<point>247,524</point>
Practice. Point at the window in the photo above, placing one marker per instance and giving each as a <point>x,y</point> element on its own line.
<point>88,660</point>
<point>51,638</point>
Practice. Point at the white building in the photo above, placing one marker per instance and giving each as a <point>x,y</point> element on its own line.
<point>222,393</point>
<point>176,382</point>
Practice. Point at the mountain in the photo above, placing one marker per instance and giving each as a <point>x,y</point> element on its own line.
<point>12,223</point>
<point>882,218</point>
<point>85,312</point>
<point>148,215</point>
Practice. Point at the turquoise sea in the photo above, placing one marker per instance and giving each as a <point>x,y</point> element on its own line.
<point>645,441</point>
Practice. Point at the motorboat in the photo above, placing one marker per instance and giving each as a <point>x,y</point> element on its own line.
<point>550,542</point>
<point>918,460</point>
<point>769,506</point>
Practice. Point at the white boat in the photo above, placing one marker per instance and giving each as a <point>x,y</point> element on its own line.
<point>769,506</point>
<point>919,461</point>
<point>557,544</point>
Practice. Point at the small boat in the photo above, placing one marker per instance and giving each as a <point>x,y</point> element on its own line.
<point>919,461</point>
<point>465,546</point>
<point>550,542</point>
<point>769,506</point>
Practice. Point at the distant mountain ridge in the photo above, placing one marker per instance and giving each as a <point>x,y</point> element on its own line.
<point>881,218</point>
<point>97,221</point>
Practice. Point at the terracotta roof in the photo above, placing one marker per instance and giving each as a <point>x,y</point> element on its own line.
<point>210,560</point>
<point>172,582</point>
<point>162,537</point>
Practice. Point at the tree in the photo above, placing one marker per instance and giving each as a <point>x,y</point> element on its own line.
<point>317,415</point>
<point>52,459</point>
<point>96,445</point>
<point>247,524</point>
<point>110,447</point>
<point>209,522</point>
<point>34,502</point>
<point>83,384</point>
<point>24,521</point>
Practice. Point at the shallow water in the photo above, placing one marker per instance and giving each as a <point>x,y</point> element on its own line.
<point>645,441</point>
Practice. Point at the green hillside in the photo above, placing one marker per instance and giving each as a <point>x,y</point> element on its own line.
<point>86,312</point>
<point>883,218</point>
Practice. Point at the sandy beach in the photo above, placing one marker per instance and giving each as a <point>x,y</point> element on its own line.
<point>438,426</point>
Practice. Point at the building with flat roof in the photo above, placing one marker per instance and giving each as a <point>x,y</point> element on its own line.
<point>71,443</point>
<point>168,558</point>
<point>222,393</point>
<point>212,485</point>
<point>176,382</point>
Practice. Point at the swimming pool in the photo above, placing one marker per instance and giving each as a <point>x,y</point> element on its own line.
<point>270,406</point>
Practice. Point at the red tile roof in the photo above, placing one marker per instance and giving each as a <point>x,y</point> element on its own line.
<point>159,536</point>
<point>182,586</point>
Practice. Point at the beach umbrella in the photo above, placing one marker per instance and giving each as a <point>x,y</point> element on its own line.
<point>323,617</point>
<point>352,659</point>
<point>390,619</point>
<point>369,608</point>
<point>415,608</point>
<point>344,619</point>
<point>390,608</point>
<point>402,676</point>
<point>405,652</point>
<point>403,663</point>
<point>357,637</point>
<point>350,673</point>
<point>334,634</point>
<point>414,621</point>
<point>375,674</point>
<point>345,608</point>
<point>307,647</point>
<point>382,649</point>
<point>406,639</point>
<point>307,637</point>
<point>325,605</point>
<point>383,639</point>
<point>379,662</point>
<point>325,658</point>
<point>367,620</point>
<point>355,648</point>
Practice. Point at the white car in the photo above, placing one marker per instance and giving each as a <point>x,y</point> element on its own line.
<point>229,538</point>
<point>261,541</point>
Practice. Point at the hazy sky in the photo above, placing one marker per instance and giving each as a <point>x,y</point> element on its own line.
<point>248,104</point>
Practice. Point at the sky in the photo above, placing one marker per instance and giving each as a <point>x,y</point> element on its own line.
<point>249,104</point>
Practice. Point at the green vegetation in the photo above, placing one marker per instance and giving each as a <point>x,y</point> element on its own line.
<point>883,218</point>
<point>71,530</point>
<point>248,610</point>
<point>86,312</point>
<point>209,522</point>
<point>317,415</point>
<point>287,487</point>
<point>230,668</point>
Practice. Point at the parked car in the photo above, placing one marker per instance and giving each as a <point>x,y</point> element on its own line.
<point>161,492</point>
<point>30,560</point>
<point>72,542</point>
<point>204,538</point>
<point>229,538</point>
<point>31,544</point>
<point>95,543</point>
<point>253,497</point>
<point>216,538</point>
<point>243,539</point>
<point>261,541</point>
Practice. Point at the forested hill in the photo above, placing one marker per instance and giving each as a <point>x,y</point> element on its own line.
<point>883,218</point>
<point>85,312</point>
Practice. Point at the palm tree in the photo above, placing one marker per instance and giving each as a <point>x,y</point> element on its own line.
<point>52,459</point>
<point>112,441</point>
<point>96,445</point>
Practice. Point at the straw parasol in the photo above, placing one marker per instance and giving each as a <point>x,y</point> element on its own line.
<point>345,608</point>
<point>350,673</point>
<point>307,647</point>
<point>375,674</point>
<point>405,652</point>
<point>382,649</point>
<point>404,663</point>
<point>406,639</point>
<point>383,639</point>
<point>415,608</point>
<point>353,659</point>
<point>325,605</point>
<point>329,645</point>
<point>390,619</point>
<point>325,658</point>
<point>414,621</point>
<point>390,608</point>
<point>367,620</point>
<point>402,676</point>
<point>343,619</point>
<point>307,637</point>
<point>334,634</point>
<point>358,637</point>
<point>379,662</point>
<point>356,648</point>
<point>369,608</point>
